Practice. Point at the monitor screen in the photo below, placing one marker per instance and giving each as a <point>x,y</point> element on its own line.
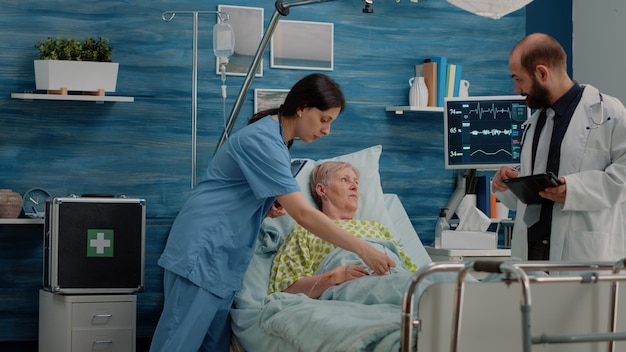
<point>483,132</point>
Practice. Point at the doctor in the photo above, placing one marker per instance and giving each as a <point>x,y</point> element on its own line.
<point>583,218</point>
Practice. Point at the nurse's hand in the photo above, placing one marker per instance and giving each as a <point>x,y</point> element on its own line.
<point>379,262</point>
<point>556,194</point>
<point>502,174</point>
<point>276,211</point>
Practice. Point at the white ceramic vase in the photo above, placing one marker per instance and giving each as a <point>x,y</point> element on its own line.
<point>418,93</point>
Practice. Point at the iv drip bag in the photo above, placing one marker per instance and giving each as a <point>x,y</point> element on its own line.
<point>223,40</point>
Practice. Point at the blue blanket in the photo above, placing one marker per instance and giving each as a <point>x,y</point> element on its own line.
<point>358,315</point>
<point>317,325</point>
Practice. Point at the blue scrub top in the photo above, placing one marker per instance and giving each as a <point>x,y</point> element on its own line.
<point>214,235</point>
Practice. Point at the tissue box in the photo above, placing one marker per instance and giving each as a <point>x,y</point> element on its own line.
<point>469,240</point>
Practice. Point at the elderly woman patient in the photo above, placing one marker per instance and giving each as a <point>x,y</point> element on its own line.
<point>307,264</point>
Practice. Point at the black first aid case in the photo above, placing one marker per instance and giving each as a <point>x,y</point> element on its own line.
<point>94,245</point>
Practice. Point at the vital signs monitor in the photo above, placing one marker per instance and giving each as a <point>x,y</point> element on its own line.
<point>484,132</point>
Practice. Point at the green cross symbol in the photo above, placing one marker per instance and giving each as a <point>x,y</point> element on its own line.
<point>99,243</point>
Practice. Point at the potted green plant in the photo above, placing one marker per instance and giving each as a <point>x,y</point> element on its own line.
<point>66,64</point>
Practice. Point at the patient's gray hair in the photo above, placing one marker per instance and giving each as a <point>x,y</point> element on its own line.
<point>323,172</point>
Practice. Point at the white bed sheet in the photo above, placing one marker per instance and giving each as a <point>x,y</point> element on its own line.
<point>249,301</point>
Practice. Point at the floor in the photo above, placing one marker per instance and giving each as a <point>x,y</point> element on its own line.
<point>142,345</point>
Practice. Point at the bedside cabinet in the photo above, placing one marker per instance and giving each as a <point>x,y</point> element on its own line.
<point>80,323</point>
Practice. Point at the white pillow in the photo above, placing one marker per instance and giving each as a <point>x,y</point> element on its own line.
<point>371,201</point>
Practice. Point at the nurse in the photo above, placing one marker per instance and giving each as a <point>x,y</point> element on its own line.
<point>578,133</point>
<point>214,235</point>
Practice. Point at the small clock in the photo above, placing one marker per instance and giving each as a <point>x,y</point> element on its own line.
<point>34,202</point>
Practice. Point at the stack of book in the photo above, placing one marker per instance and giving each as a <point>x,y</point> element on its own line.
<point>442,79</point>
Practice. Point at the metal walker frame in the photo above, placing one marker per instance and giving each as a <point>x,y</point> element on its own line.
<point>518,271</point>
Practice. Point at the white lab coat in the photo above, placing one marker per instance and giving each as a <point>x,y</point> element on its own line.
<point>590,225</point>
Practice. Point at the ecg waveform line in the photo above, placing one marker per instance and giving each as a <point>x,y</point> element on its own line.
<point>491,132</point>
<point>492,153</point>
<point>492,110</point>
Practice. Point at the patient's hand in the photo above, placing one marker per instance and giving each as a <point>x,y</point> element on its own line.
<point>314,286</point>
<point>345,273</point>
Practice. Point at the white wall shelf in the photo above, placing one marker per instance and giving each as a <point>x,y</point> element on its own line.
<point>94,98</point>
<point>21,221</point>
<point>399,110</point>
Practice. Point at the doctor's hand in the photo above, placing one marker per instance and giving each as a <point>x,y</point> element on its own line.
<point>556,194</point>
<point>502,174</point>
<point>276,211</point>
<point>379,262</point>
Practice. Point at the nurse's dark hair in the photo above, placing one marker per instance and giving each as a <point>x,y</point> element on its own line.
<point>314,91</point>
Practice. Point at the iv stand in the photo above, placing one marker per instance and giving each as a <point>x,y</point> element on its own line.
<point>282,8</point>
<point>167,16</point>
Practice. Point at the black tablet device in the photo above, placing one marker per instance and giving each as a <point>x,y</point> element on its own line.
<point>296,166</point>
<point>527,188</point>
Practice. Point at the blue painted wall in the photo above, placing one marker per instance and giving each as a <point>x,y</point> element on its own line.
<point>553,17</point>
<point>143,149</point>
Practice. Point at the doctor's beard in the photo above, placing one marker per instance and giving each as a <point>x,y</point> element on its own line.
<point>538,97</point>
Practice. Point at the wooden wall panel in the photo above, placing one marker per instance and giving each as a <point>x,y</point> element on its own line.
<point>143,149</point>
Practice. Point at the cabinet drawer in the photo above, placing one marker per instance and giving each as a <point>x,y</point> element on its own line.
<point>108,315</point>
<point>109,340</point>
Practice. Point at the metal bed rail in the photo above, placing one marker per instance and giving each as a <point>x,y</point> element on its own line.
<point>517,271</point>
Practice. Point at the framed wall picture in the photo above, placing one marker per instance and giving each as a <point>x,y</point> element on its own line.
<point>303,45</point>
<point>268,98</point>
<point>247,23</point>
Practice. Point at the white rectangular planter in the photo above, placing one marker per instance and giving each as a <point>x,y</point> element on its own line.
<point>87,76</point>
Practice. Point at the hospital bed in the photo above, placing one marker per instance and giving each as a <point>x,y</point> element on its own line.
<point>249,303</point>
<point>450,315</point>
<point>252,303</point>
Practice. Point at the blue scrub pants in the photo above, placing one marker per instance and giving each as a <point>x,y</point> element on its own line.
<point>193,319</point>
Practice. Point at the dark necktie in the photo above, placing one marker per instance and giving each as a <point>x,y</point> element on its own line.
<point>531,215</point>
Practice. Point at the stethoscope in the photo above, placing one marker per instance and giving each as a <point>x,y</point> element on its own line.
<point>280,124</point>
<point>594,125</point>
<point>602,119</point>
<point>282,134</point>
